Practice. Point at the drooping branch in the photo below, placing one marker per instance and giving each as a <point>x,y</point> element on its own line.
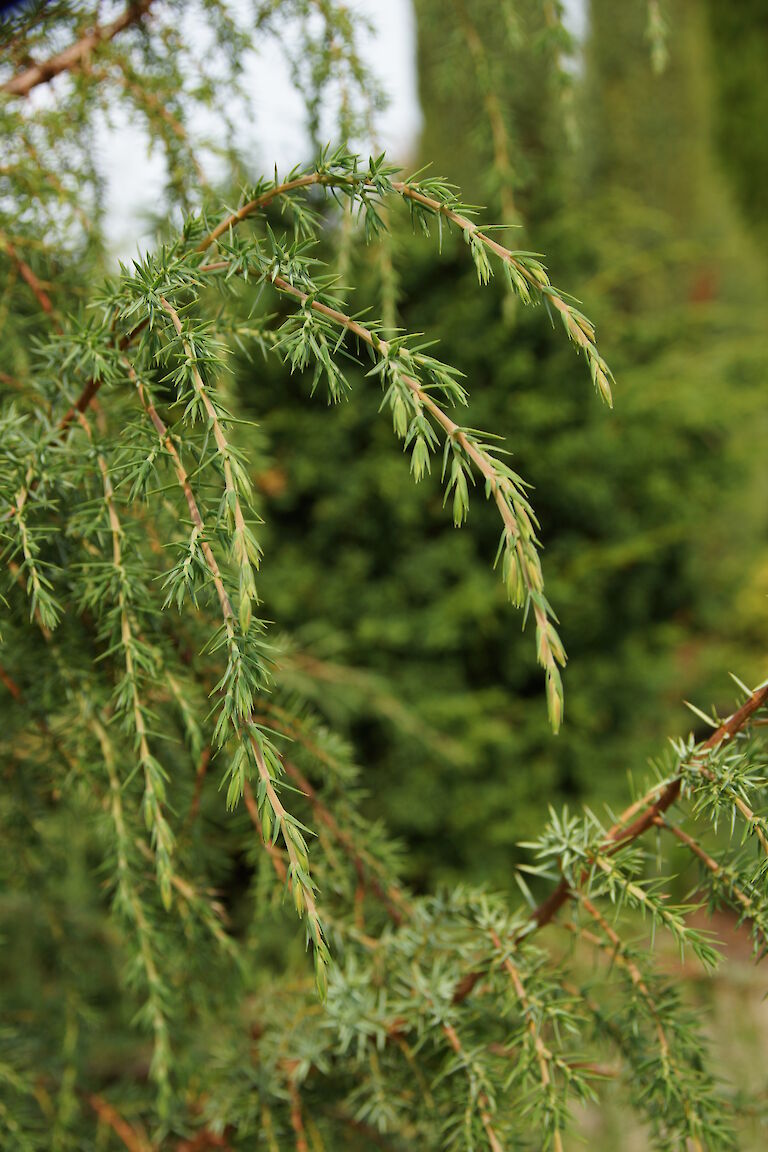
<point>131,699</point>
<point>129,900</point>
<point>386,890</point>
<point>92,386</point>
<point>298,871</point>
<point>526,274</point>
<point>495,113</point>
<point>518,529</point>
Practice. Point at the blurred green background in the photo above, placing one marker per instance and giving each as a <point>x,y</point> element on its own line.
<point>644,187</point>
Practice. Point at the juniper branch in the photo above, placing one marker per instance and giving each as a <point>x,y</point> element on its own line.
<point>654,805</point>
<point>73,56</point>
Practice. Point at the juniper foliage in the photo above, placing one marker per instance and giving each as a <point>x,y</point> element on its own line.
<point>157,749</point>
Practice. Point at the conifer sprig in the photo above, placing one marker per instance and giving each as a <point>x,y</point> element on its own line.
<point>432,200</point>
<point>129,906</point>
<point>254,754</point>
<point>129,697</point>
<point>415,412</point>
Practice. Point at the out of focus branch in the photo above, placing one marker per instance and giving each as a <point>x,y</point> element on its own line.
<point>23,83</point>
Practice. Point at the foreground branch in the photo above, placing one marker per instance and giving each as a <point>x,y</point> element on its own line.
<point>651,810</point>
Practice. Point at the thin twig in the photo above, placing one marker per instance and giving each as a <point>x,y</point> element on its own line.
<point>29,276</point>
<point>276,856</point>
<point>109,1115</point>
<point>543,1056</point>
<point>297,1120</point>
<point>621,835</point>
<point>482,1100</point>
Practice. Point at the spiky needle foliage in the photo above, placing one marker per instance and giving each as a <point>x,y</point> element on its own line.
<point>151,750</point>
